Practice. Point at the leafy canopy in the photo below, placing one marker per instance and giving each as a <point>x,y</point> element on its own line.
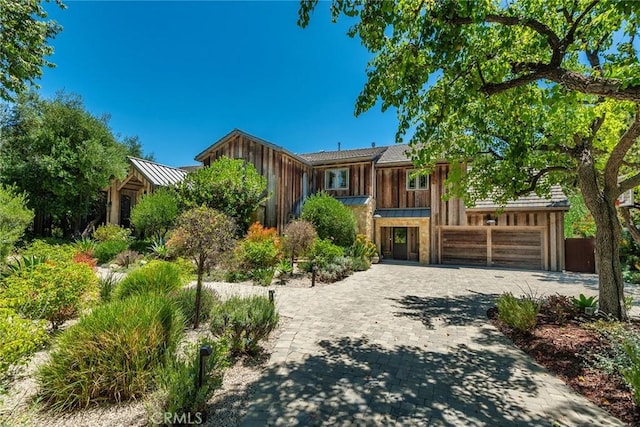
<point>332,220</point>
<point>232,186</point>
<point>23,45</point>
<point>60,154</point>
<point>155,213</point>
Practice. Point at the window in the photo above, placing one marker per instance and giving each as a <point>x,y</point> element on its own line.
<point>336,179</point>
<point>416,181</point>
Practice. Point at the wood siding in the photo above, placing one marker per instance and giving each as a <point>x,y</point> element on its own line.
<point>285,175</point>
<point>391,190</point>
<point>360,179</point>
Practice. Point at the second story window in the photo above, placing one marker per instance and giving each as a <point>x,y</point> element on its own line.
<point>416,181</point>
<point>336,179</point>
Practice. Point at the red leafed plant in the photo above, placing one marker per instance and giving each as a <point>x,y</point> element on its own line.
<point>84,258</point>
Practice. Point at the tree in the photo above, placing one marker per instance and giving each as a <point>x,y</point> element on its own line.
<point>61,155</point>
<point>155,213</point>
<point>23,45</point>
<point>298,238</point>
<point>232,186</point>
<point>534,92</point>
<point>203,234</point>
<point>333,220</point>
<point>14,218</point>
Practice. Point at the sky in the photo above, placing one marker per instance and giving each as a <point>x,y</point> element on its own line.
<point>181,75</point>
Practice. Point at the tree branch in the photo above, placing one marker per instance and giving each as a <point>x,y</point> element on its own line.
<point>618,153</point>
<point>633,230</point>
<point>629,183</point>
<point>568,39</point>
<point>533,183</point>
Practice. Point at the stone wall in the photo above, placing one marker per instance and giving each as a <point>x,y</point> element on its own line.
<point>364,217</point>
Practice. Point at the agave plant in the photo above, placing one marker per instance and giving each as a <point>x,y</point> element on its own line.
<point>24,262</point>
<point>159,249</point>
<point>85,245</point>
<point>584,302</point>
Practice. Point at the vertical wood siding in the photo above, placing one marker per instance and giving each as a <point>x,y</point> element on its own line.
<point>391,186</point>
<point>360,182</point>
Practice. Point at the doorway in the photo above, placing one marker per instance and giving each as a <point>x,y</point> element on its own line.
<point>125,211</point>
<point>400,243</point>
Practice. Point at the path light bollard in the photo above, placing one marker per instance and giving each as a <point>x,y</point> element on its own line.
<point>314,270</point>
<point>271,295</point>
<point>126,261</point>
<point>205,351</point>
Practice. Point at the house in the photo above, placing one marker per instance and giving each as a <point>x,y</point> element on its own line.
<point>401,211</point>
<point>143,177</point>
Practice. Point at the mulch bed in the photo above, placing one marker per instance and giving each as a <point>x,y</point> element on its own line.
<point>563,350</point>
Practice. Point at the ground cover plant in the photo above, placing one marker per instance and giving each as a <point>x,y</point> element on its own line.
<point>594,355</point>
<point>19,339</point>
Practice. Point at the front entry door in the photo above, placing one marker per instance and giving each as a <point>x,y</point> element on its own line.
<point>125,211</point>
<point>400,243</point>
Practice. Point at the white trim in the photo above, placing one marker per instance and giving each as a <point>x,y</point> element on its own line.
<point>337,170</point>
<point>416,180</point>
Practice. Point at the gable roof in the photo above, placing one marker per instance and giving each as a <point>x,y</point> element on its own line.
<point>365,154</point>
<point>395,154</point>
<point>157,174</point>
<point>238,132</point>
<point>557,199</point>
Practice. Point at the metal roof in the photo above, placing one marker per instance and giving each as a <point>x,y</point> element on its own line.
<point>353,200</point>
<point>342,155</point>
<point>403,213</point>
<point>157,174</point>
<point>557,199</point>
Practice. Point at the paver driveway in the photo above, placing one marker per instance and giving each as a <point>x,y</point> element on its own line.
<point>412,345</point>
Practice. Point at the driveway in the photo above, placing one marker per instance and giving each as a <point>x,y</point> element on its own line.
<point>411,345</point>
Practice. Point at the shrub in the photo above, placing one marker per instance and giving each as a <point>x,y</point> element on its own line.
<point>632,372</point>
<point>127,257</point>
<point>298,238</point>
<point>159,249</point>
<point>15,217</point>
<point>284,268</point>
<point>19,338</point>
<point>107,250</point>
<point>363,248</point>
<point>261,248</point>
<point>155,213</point>
<point>52,252</point>
<point>559,308</point>
<point>86,259</point>
<point>236,276</point>
<point>185,299</point>
<point>336,270</point>
<point>111,354</point>
<point>108,232</point>
<point>519,313</point>
<point>583,302</point>
<point>85,246</point>
<point>24,262</point>
<point>332,220</point>
<point>323,252</point>
<point>245,321</point>
<point>54,292</point>
<point>360,264</point>
<point>141,246</point>
<point>263,276</point>
<point>106,285</point>
<point>177,391</point>
<point>160,277</point>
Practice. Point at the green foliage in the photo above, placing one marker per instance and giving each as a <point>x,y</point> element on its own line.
<point>630,258</point>
<point>244,321</point>
<point>177,391</point>
<point>160,277</point>
<point>632,372</point>
<point>85,245</point>
<point>54,292</point>
<point>107,250</point>
<point>24,48</point>
<point>284,267</point>
<point>52,252</point>
<point>142,246</point>
<point>231,186</point>
<point>519,313</point>
<point>336,270</point>
<point>23,262</point>
<point>615,360</point>
<point>560,308</point>
<point>111,355</point>
<point>583,302</point>
<point>578,221</point>
<point>331,219</point>
<point>185,299</point>
<point>109,232</point>
<point>298,237</point>
<point>19,338</point>
<point>106,285</point>
<point>257,255</point>
<point>14,217</point>
<point>234,276</point>
<point>159,249</point>
<point>360,264</point>
<point>323,252</point>
<point>155,213</point>
<point>262,276</point>
<point>363,248</point>
<point>61,155</point>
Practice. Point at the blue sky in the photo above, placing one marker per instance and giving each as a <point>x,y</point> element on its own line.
<point>180,75</point>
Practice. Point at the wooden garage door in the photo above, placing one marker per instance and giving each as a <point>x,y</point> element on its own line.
<point>515,247</point>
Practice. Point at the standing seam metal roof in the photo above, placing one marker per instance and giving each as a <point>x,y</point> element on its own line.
<point>157,174</point>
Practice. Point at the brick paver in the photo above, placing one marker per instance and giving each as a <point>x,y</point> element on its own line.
<point>411,345</point>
